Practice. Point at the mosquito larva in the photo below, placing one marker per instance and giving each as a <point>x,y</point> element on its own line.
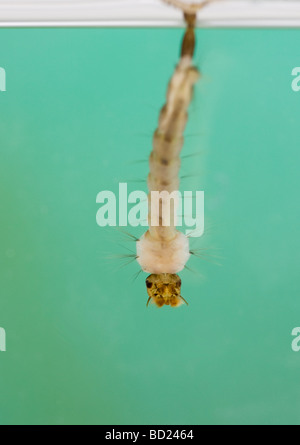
<point>163,251</point>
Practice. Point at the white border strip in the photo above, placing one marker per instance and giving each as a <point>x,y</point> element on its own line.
<point>146,13</point>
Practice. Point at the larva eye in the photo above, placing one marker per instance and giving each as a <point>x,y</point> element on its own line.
<point>149,284</point>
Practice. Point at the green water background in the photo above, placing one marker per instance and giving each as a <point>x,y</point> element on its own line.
<point>80,109</point>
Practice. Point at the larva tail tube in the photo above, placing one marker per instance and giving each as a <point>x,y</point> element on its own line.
<point>163,251</point>
<point>190,8</point>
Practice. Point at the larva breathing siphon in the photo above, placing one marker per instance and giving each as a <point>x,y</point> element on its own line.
<point>164,251</point>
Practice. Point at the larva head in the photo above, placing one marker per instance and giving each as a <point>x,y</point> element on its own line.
<point>164,289</point>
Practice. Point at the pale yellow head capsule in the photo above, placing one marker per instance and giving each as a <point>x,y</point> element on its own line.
<point>164,289</point>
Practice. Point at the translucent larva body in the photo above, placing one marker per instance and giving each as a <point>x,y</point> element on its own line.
<point>162,250</point>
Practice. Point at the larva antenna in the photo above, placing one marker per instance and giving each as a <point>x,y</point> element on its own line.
<point>188,8</point>
<point>184,300</point>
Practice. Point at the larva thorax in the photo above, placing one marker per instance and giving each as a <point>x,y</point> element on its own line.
<point>162,250</point>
